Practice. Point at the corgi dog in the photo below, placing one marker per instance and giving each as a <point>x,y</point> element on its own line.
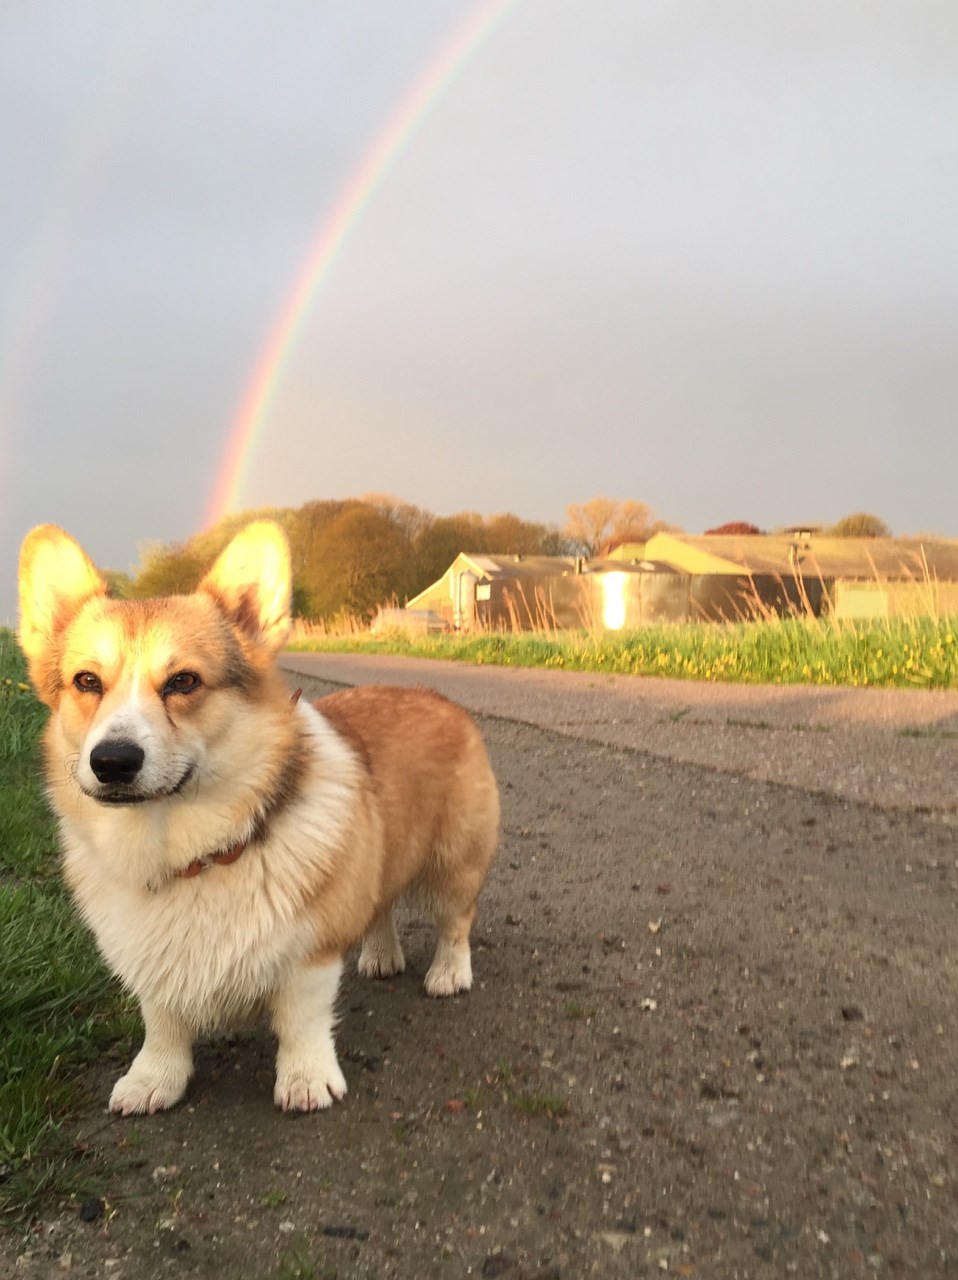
<point>228,845</point>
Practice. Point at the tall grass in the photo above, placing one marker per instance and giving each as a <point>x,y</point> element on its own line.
<point>907,653</point>
<point>58,1005</point>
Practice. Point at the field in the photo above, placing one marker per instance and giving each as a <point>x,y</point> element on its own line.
<point>905,653</point>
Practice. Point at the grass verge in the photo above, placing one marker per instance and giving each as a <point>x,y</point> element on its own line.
<point>902,653</point>
<point>58,1005</point>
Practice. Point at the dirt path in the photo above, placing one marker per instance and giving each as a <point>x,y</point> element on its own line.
<point>713,1035</point>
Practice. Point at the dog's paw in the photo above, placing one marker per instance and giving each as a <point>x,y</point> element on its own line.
<point>450,971</point>
<point>310,1084</point>
<point>146,1089</point>
<point>380,961</point>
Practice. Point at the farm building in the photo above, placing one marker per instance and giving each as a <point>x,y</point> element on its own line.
<point>545,592</point>
<point>676,578</point>
<point>511,592</point>
<point>850,577</point>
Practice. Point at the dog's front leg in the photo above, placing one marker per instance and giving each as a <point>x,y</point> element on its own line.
<point>308,1077</point>
<point>160,1072</point>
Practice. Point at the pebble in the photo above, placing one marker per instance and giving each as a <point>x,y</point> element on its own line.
<point>616,1240</point>
<point>91,1209</point>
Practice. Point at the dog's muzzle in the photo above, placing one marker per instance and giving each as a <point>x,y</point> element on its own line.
<point>116,761</point>
<point>116,765</point>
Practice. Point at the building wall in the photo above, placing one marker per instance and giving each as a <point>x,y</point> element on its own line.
<point>561,601</point>
<point>620,599</point>
<point>738,597</point>
<point>854,599</point>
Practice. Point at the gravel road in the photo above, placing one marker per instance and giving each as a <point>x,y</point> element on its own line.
<point>888,747</point>
<point>710,1035</point>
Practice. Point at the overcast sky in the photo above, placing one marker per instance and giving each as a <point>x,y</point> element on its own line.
<point>700,254</point>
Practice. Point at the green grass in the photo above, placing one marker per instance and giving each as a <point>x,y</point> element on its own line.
<point>58,1005</point>
<point>900,653</point>
<point>537,1103</point>
<point>299,1262</point>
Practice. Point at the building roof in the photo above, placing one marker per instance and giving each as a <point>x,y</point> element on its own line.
<point>612,565</point>
<point>550,566</point>
<point>779,554</point>
<point>775,555</point>
<point>487,567</point>
<point>514,566</point>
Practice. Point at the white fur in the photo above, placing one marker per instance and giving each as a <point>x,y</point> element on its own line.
<point>202,952</point>
<point>140,845</point>
<point>308,1077</point>
<point>126,719</point>
<point>451,969</point>
<point>161,1070</point>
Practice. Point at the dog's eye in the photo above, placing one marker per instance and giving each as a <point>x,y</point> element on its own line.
<point>182,682</point>
<point>87,682</point>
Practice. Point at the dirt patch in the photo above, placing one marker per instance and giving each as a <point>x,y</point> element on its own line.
<point>712,1035</point>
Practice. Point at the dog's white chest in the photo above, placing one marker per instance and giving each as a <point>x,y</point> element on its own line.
<point>211,948</point>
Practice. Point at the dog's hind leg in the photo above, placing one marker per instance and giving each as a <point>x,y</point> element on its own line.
<point>381,956</point>
<point>451,885</point>
<point>160,1072</point>
<point>451,968</point>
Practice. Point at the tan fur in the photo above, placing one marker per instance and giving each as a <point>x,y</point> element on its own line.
<point>431,778</point>
<point>171,738</point>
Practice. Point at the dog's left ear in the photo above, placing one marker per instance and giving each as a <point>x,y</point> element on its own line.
<point>252,581</point>
<point>56,578</point>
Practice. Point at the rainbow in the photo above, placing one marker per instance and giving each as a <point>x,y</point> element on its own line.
<point>274,358</point>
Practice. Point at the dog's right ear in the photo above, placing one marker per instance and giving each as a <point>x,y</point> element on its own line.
<point>56,578</point>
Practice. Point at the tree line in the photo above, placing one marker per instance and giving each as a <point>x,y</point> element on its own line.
<point>350,556</point>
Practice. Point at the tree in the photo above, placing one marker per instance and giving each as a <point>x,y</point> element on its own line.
<point>305,533</point>
<point>356,561</point>
<point>404,515</point>
<point>555,542</point>
<point>860,525</point>
<point>167,571</point>
<point>595,524</point>
<point>409,522</point>
<point>119,584</point>
<point>441,541</point>
<point>508,535</point>
<point>208,544</point>
<point>736,528</point>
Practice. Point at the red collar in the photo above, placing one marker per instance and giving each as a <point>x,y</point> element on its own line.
<point>226,856</point>
<point>211,859</point>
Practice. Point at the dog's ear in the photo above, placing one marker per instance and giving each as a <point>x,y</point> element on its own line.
<point>252,581</point>
<point>57,577</point>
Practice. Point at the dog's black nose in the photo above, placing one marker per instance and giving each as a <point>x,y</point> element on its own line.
<point>117,761</point>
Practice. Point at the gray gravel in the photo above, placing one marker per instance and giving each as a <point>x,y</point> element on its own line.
<point>712,1033</point>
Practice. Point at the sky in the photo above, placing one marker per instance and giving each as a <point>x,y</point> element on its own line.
<point>699,255</point>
